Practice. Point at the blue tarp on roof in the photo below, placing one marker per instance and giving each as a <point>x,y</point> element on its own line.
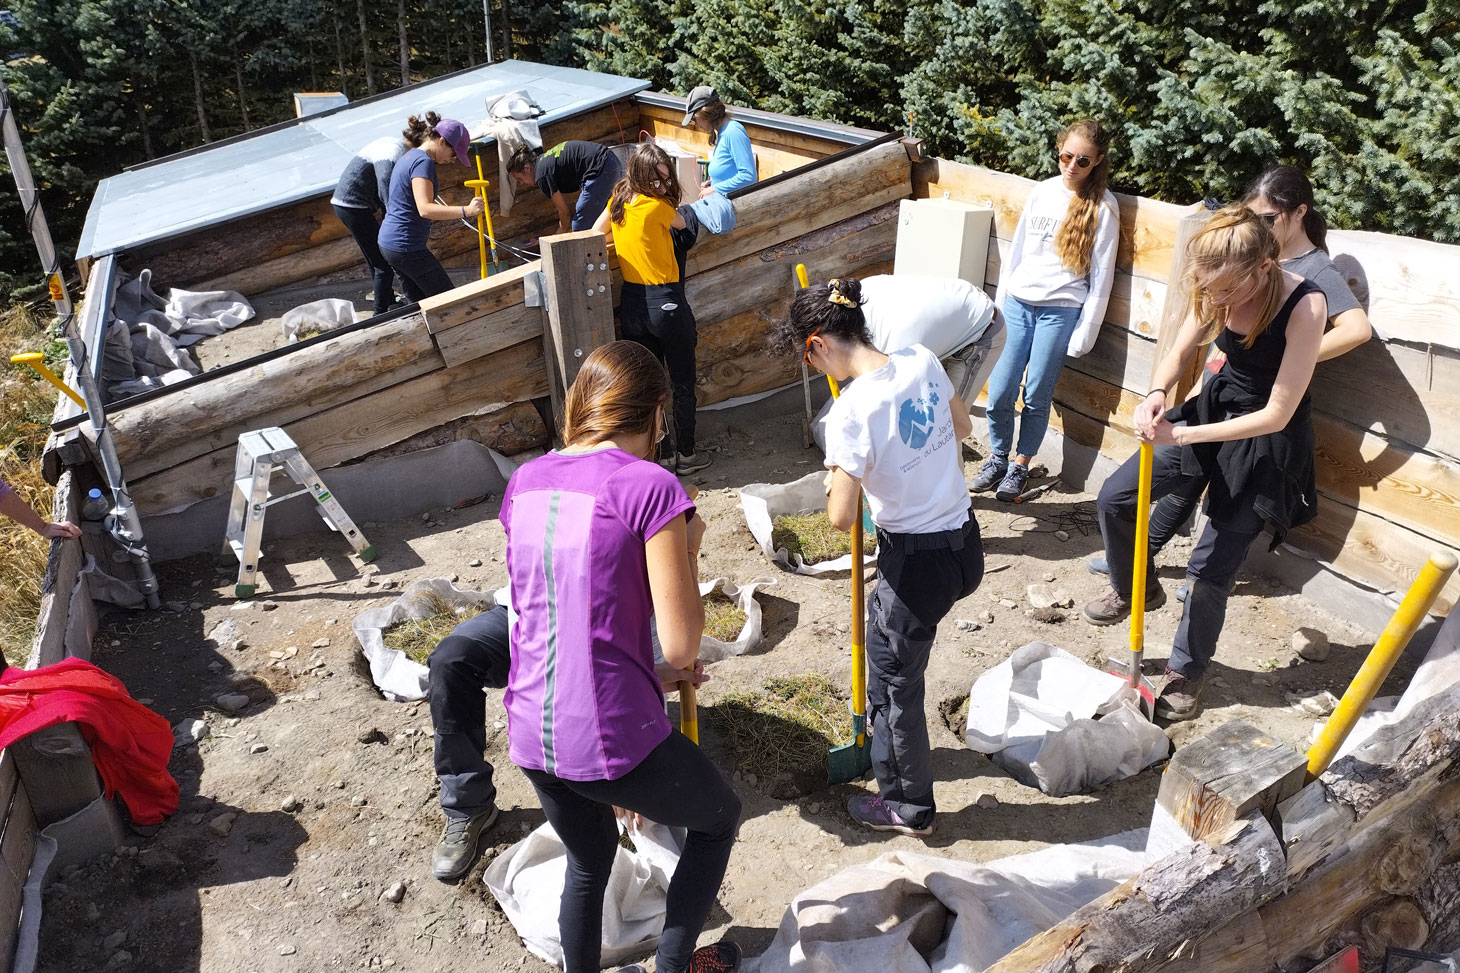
<point>303,157</point>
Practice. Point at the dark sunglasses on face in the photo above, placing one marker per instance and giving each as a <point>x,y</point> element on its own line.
<point>1082,161</point>
<point>1270,217</point>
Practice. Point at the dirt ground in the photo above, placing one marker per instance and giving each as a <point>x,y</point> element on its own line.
<point>234,882</point>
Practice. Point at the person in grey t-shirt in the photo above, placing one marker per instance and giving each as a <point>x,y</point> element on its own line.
<point>1283,196</point>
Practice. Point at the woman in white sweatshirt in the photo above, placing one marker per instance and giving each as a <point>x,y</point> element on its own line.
<point>1053,294</point>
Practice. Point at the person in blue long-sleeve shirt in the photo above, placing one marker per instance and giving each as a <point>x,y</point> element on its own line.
<point>732,163</point>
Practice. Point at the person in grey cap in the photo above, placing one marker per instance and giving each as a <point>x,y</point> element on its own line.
<point>732,164</point>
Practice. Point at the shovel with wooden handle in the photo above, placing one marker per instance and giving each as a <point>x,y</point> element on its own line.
<point>1131,671</point>
<point>689,717</point>
<point>801,279</point>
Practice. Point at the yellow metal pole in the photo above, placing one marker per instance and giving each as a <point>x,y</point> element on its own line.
<point>37,361</point>
<point>801,275</point>
<point>1365,686</point>
<point>1138,578</point>
<point>487,214</point>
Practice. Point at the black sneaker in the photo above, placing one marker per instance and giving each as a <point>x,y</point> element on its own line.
<point>723,957</point>
<point>989,474</point>
<point>1113,607</point>
<point>1180,697</point>
<point>1013,483</point>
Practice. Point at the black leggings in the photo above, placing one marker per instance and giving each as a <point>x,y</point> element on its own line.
<point>658,317</point>
<point>675,785</point>
<point>421,274</point>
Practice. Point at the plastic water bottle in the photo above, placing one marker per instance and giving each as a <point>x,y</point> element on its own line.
<point>95,506</point>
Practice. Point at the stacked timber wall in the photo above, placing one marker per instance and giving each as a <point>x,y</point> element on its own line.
<point>1384,414</point>
<point>476,353</point>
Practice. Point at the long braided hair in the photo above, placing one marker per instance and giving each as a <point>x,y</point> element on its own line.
<point>1076,238</point>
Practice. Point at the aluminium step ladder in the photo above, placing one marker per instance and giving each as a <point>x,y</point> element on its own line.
<point>261,454</point>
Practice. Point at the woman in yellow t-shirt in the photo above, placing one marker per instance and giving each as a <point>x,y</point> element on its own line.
<point>652,307</point>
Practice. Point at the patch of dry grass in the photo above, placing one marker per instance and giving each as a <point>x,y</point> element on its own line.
<point>26,404</point>
<point>784,728</point>
<point>418,637</point>
<point>814,538</point>
<point>723,617</point>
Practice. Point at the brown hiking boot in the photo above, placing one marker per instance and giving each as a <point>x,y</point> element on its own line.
<point>1180,697</point>
<point>1113,607</point>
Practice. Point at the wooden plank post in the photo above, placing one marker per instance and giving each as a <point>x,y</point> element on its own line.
<point>1217,780</point>
<point>578,299</point>
<point>1173,311</point>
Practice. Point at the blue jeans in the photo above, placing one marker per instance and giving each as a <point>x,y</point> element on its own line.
<point>1037,337</point>
<point>594,196</point>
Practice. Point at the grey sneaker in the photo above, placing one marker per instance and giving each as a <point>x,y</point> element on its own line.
<point>1097,564</point>
<point>457,849</point>
<point>1013,483</point>
<point>871,810</point>
<point>1180,697</point>
<point>989,474</point>
<point>1113,607</point>
<point>693,463</point>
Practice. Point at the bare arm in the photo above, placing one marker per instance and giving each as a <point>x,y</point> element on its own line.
<point>1350,329</point>
<point>1148,414</point>
<point>678,222</point>
<point>15,507</point>
<point>565,218</point>
<point>601,224</point>
<point>1305,332</point>
<point>962,423</point>
<point>679,613</point>
<point>843,500</point>
<point>424,195</point>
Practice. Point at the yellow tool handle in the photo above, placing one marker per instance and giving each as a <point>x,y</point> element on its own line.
<point>689,717</point>
<point>487,214</point>
<point>801,275</point>
<point>1143,557</point>
<point>1371,675</point>
<point>859,625</point>
<point>37,361</point>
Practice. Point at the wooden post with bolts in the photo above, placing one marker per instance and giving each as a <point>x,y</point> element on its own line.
<point>579,300</point>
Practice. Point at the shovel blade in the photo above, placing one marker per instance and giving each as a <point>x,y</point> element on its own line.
<point>1145,689</point>
<point>848,763</point>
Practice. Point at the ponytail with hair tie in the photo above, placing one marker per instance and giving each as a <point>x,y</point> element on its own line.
<point>836,296</point>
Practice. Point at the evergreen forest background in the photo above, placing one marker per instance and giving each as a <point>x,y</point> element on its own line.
<point>1363,94</point>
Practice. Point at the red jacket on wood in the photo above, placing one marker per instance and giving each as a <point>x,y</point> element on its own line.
<point>130,744</point>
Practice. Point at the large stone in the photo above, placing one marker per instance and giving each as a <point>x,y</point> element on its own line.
<point>1044,596</point>
<point>1311,644</point>
<point>232,702</point>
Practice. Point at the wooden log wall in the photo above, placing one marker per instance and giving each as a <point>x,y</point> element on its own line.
<point>472,356</point>
<point>1384,414</point>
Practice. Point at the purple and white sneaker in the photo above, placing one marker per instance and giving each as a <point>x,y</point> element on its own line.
<point>871,810</point>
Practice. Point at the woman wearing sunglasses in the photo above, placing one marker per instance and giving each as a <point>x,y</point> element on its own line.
<point>1283,197</point>
<point>1246,437</point>
<point>652,307</point>
<point>1053,293</point>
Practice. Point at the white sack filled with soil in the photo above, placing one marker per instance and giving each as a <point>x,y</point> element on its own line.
<point>764,502</point>
<point>1057,724</point>
<point>527,881</point>
<point>317,317</point>
<point>711,648</point>
<point>399,677</point>
<point>951,916</point>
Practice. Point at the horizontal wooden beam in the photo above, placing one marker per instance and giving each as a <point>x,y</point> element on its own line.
<point>1412,291</point>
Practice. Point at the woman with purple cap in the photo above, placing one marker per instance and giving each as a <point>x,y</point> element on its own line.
<point>411,205</point>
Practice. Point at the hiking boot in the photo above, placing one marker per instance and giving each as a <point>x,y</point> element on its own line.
<point>871,810</point>
<point>1180,697</point>
<point>457,849</point>
<point>723,957</point>
<point>1113,606</point>
<point>1013,482</point>
<point>1097,564</point>
<point>989,474</point>
<point>693,463</point>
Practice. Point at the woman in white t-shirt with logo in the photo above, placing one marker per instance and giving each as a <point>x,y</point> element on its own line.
<point>1053,293</point>
<point>894,435</point>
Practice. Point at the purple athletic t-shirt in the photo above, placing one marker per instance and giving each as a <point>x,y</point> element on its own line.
<point>582,699</point>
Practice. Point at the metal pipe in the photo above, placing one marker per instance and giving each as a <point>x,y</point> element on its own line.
<point>487,26</point>
<point>1371,675</point>
<point>124,524</point>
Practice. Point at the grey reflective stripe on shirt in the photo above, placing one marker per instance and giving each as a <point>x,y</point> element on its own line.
<point>551,680</point>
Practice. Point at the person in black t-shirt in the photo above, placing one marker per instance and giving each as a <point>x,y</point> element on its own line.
<point>586,168</point>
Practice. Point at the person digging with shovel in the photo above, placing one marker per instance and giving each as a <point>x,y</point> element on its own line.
<point>894,435</point>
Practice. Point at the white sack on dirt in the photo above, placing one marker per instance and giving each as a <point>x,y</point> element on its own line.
<point>952,916</point>
<point>1057,724</point>
<point>527,881</point>
<point>712,649</point>
<point>326,314</point>
<point>764,502</point>
<point>400,678</point>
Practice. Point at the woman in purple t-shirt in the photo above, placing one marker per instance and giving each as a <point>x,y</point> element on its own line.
<point>599,540</point>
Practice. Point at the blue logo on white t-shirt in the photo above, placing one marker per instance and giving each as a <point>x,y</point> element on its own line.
<point>915,420</point>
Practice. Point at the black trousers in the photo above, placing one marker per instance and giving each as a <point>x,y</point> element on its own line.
<point>658,317</point>
<point>365,228</point>
<point>675,785</point>
<point>473,656</point>
<point>421,274</point>
<point>1218,554</point>
<point>919,577</point>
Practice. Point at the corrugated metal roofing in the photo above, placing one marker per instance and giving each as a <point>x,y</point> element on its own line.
<point>303,157</point>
